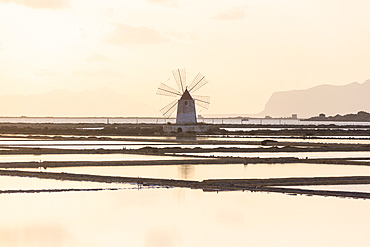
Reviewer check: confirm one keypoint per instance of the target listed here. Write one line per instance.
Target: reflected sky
(181, 217)
(350, 154)
(74, 142)
(337, 139)
(347, 187)
(291, 128)
(81, 157)
(25, 183)
(144, 140)
(120, 146)
(201, 172)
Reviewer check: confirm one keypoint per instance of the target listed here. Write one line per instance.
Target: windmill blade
(163, 89)
(202, 101)
(169, 109)
(198, 82)
(180, 77)
(202, 104)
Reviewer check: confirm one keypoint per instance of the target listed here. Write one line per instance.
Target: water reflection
(81, 157)
(110, 144)
(352, 188)
(136, 146)
(26, 183)
(349, 154)
(326, 139)
(33, 142)
(179, 217)
(186, 171)
(186, 138)
(201, 172)
(157, 218)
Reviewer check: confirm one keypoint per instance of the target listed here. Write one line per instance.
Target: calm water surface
(74, 142)
(356, 187)
(140, 140)
(302, 155)
(81, 157)
(181, 217)
(343, 139)
(201, 172)
(24, 183)
(133, 120)
(103, 145)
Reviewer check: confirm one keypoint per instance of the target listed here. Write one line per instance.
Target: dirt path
(254, 185)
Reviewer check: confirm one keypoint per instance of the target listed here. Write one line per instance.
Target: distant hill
(360, 116)
(327, 99)
(64, 103)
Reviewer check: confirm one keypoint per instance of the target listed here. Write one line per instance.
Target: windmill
(185, 102)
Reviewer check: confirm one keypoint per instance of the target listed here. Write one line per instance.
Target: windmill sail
(169, 109)
(202, 101)
(167, 90)
(180, 77)
(198, 82)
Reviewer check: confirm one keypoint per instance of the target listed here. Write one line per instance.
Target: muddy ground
(91, 129)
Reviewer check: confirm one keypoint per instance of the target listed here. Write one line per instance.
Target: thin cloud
(108, 11)
(103, 72)
(233, 14)
(98, 58)
(159, 1)
(124, 34)
(40, 4)
(165, 2)
(46, 72)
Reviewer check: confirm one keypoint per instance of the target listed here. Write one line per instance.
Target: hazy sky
(247, 49)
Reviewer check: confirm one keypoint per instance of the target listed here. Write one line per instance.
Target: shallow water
(81, 157)
(296, 128)
(134, 120)
(13, 139)
(181, 217)
(77, 144)
(142, 140)
(34, 142)
(338, 139)
(25, 183)
(202, 172)
(135, 146)
(302, 155)
(352, 188)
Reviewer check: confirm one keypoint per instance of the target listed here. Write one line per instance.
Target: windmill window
(186, 103)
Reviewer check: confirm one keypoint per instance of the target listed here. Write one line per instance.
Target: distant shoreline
(230, 121)
(360, 116)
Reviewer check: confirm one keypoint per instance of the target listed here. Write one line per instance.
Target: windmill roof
(186, 95)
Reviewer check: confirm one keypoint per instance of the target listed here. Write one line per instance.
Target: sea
(153, 120)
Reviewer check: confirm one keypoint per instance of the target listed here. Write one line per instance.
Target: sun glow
(256, 47)
(39, 31)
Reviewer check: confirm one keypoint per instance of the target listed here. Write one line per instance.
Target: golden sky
(246, 49)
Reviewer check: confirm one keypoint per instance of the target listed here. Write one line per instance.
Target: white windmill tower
(185, 102)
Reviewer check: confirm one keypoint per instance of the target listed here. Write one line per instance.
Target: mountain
(327, 99)
(64, 103)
